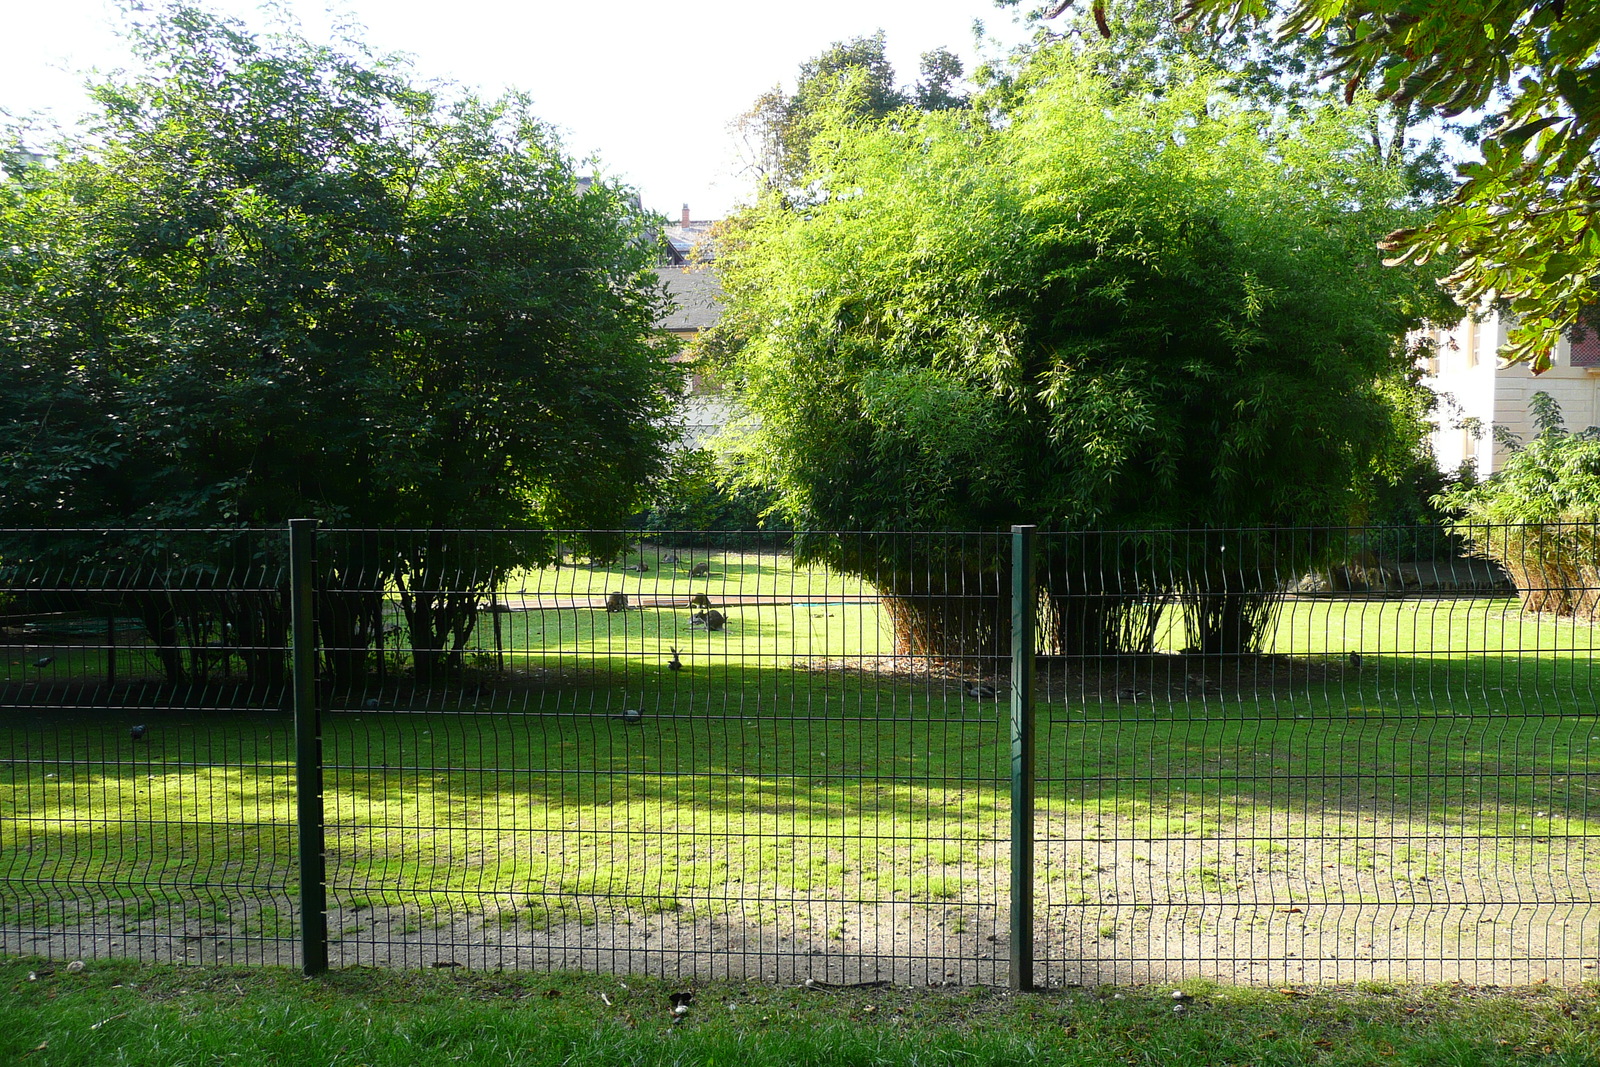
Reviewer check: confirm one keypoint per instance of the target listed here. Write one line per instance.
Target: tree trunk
(959, 618)
(348, 621)
(1229, 624)
(442, 585)
(258, 631)
(1105, 595)
(160, 620)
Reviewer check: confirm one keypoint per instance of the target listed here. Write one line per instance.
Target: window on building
(1585, 338)
(1438, 341)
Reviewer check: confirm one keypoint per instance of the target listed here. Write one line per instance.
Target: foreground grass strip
(123, 1013)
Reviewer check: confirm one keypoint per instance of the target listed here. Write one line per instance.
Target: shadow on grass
(1420, 737)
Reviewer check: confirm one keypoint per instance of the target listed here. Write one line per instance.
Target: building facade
(1480, 400)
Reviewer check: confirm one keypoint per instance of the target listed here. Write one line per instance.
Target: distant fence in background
(1288, 756)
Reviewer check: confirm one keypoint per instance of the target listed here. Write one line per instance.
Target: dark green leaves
(1519, 220)
(282, 280)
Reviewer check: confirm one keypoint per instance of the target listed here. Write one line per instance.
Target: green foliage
(936, 89)
(1538, 515)
(1403, 518)
(1555, 478)
(1150, 48)
(698, 504)
(1407, 523)
(1522, 220)
(851, 82)
(1096, 312)
(281, 279)
(1090, 311)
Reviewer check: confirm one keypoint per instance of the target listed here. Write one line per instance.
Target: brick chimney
(685, 215)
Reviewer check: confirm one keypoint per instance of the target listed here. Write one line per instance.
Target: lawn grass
(782, 767)
(550, 623)
(114, 1013)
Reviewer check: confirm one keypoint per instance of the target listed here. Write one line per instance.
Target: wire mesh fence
(1261, 756)
(1375, 767)
(146, 789)
(672, 760)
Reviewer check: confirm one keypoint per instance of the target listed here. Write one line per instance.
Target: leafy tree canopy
(850, 82)
(1149, 47)
(279, 278)
(1523, 219)
(1094, 310)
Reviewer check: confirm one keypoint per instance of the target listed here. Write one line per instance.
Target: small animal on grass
(670, 557)
(1355, 660)
(981, 690)
(700, 600)
(136, 732)
(630, 716)
(700, 570)
(711, 619)
(675, 664)
(642, 567)
(617, 601)
(44, 661)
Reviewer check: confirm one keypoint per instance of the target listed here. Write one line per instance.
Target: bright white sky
(651, 88)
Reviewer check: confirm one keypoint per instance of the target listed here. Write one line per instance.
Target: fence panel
(1389, 779)
(672, 758)
(146, 786)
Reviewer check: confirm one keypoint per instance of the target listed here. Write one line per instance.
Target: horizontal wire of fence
(1269, 756)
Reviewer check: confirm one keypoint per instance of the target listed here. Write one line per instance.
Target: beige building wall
(1476, 393)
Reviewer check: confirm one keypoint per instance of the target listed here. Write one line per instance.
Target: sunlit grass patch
(759, 782)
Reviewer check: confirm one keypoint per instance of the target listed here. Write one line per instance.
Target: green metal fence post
(308, 748)
(1024, 602)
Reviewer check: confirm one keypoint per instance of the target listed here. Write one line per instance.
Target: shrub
(698, 506)
(1537, 516)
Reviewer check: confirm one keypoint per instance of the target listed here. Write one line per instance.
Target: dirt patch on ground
(1245, 903)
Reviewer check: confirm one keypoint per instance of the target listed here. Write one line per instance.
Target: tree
(1523, 219)
(1142, 46)
(281, 279)
(1093, 312)
(936, 89)
(850, 82)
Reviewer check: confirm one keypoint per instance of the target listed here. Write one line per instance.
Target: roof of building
(689, 239)
(697, 297)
